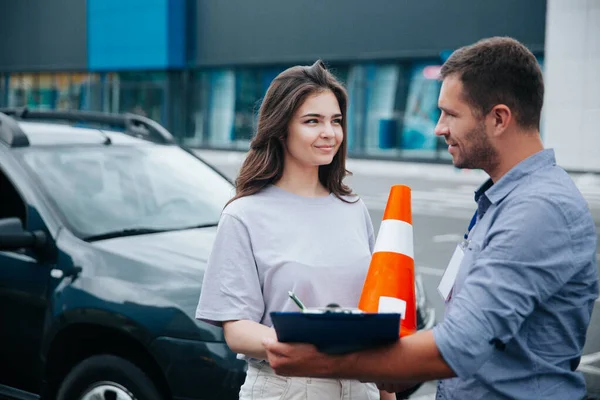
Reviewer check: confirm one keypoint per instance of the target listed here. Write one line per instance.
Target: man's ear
(498, 119)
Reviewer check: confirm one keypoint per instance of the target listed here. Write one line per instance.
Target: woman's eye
(311, 121)
(337, 121)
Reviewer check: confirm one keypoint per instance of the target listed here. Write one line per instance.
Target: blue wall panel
(135, 34)
(177, 33)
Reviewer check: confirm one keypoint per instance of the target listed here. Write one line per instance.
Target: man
(519, 307)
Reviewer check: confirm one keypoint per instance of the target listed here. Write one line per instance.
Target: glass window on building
(142, 93)
(377, 95)
(197, 136)
(248, 91)
(251, 86)
(75, 91)
(392, 107)
(61, 91)
(19, 87)
(220, 108)
(226, 104)
(43, 92)
(4, 81)
(32, 90)
(422, 113)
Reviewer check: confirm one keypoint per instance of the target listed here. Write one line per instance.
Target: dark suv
(105, 227)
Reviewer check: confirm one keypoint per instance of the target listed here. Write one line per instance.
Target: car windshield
(113, 191)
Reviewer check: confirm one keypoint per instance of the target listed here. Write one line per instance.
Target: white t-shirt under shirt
(276, 241)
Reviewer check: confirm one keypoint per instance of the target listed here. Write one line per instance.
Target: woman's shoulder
(358, 202)
(353, 200)
(240, 205)
(353, 203)
(247, 204)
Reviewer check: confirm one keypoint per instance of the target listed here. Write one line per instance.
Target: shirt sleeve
(526, 258)
(231, 288)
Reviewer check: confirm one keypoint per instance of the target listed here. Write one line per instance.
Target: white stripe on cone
(395, 236)
(392, 305)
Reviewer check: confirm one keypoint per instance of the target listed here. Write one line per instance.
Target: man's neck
(513, 150)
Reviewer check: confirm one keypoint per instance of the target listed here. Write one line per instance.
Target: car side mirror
(14, 237)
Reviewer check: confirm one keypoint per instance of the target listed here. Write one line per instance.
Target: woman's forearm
(245, 337)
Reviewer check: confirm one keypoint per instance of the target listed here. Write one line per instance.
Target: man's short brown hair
(499, 70)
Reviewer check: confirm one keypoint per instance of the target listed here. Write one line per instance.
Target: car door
(24, 280)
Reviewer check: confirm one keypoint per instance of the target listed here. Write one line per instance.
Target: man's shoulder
(551, 190)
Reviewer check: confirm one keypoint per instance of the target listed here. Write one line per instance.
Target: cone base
(387, 276)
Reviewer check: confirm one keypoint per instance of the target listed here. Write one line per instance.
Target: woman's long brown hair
(264, 162)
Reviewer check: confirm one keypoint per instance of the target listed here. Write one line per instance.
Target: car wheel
(105, 377)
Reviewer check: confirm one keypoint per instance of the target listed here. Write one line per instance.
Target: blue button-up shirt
(517, 320)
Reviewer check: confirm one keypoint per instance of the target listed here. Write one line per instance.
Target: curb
(383, 168)
(394, 168)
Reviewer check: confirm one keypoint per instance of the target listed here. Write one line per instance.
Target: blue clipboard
(337, 333)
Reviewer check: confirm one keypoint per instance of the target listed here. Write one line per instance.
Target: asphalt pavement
(443, 203)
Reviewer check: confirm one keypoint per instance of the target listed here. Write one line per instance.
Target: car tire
(99, 375)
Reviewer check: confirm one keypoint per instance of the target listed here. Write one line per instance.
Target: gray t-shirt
(276, 241)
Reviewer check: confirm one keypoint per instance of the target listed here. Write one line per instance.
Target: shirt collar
(498, 191)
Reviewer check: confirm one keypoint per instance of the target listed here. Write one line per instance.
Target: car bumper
(425, 313)
(428, 319)
(199, 370)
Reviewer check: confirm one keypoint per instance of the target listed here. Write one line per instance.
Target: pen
(296, 300)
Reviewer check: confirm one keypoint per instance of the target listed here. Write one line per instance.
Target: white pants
(263, 384)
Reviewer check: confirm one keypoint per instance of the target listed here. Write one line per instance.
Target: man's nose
(441, 129)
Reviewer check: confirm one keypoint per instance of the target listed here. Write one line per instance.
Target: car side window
(11, 203)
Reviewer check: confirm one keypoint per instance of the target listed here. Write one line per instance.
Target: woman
(292, 225)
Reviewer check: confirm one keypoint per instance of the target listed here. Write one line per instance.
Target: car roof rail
(11, 133)
(131, 124)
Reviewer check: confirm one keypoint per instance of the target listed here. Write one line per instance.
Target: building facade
(572, 76)
(201, 67)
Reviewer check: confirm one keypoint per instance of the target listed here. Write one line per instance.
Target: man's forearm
(412, 358)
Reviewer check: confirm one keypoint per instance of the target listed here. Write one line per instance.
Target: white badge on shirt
(447, 283)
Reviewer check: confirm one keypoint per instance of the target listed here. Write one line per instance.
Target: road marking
(449, 237)
(430, 271)
(590, 358)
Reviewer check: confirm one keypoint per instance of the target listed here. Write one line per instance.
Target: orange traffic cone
(390, 282)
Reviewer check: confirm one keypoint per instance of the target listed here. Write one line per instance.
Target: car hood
(160, 272)
(183, 253)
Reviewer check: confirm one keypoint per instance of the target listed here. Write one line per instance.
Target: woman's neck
(303, 181)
